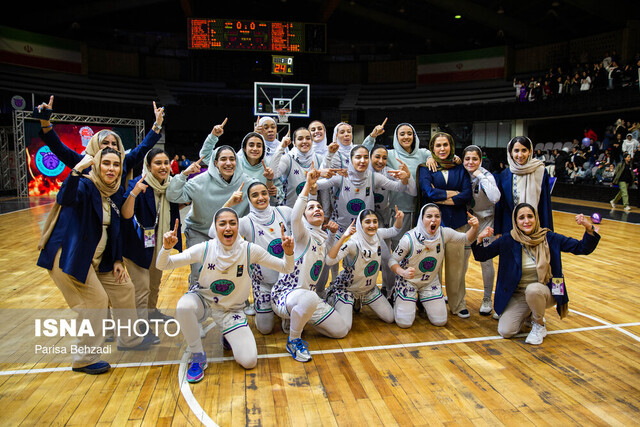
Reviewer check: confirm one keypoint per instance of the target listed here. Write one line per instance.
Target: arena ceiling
(394, 27)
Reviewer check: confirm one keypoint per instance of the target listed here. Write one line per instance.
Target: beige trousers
(455, 267)
(90, 300)
(147, 285)
(534, 300)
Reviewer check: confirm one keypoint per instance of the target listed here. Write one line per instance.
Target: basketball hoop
(283, 115)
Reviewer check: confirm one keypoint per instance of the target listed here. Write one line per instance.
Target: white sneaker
(299, 350)
(496, 316)
(537, 334)
(613, 205)
(485, 309)
(627, 208)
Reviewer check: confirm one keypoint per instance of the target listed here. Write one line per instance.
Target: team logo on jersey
(275, 248)
(355, 206)
(222, 287)
(378, 198)
(428, 264)
(300, 187)
(371, 268)
(316, 269)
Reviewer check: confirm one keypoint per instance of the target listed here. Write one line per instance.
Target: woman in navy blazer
(149, 215)
(450, 189)
(531, 185)
(81, 248)
(530, 276)
(103, 138)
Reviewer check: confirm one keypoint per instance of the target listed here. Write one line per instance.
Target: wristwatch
(156, 127)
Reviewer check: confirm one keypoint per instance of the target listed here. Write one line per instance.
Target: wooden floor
(587, 372)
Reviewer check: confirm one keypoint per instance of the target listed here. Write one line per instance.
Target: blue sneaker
(298, 349)
(196, 367)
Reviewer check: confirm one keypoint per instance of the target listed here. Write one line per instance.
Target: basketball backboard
(268, 98)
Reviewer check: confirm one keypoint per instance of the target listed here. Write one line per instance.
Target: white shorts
(323, 310)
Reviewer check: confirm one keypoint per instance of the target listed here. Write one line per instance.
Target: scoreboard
(266, 36)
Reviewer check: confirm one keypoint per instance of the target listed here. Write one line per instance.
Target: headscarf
(255, 171)
(225, 256)
(358, 178)
(261, 216)
(363, 240)
(159, 190)
(420, 232)
(344, 150)
(531, 175)
(320, 147)
(94, 145)
(106, 190)
(269, 146)
(447, 163)
(304, 159)
(375, 148)
(477, 150)
(536, 243)
(399, 149)
(315, 231)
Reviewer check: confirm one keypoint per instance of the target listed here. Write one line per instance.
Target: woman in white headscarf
(360, 250)
(417, 261)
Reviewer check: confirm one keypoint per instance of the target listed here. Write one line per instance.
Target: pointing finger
(224, 123)
(175, 229)
(201, 159)
(282, 230)
(385, 122)
(241, 186)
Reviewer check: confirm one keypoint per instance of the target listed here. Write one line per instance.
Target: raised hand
(399, 174)
(218, 130)
(473, 221)
(257, 128)
(140, 187)
(170, 238)
(585, 222)
(312, 175)
(350, 231)
(333, 147)
(193, 167)
(286, 141)
(159, 113)
(287, 241)
(399, 217)
(331, 226)
(268, 172)
(47, 106)
(487, 232)
(236, 197)
(379, 129)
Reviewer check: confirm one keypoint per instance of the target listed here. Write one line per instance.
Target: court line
(336, 350)
(192, 402)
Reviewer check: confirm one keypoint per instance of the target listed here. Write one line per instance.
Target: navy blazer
(71, 158)
(79, 228)
(510, 262)
(504, 208)
(145, 213)
(452, 216)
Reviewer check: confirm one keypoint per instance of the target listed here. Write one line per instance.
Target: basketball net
(283, 115)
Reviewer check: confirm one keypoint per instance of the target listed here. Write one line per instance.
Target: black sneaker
(157, 315)
(94, 369)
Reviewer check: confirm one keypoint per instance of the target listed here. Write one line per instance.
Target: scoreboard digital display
(266, 36)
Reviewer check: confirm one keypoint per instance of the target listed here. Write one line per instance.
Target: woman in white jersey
(222, 288)
(293, 297)
(483, 206)
(417, 261)
(262, 227)
(291, 168)
(360, 248)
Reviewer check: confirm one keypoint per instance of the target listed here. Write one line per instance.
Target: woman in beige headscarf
(151, 216)
(82, 250)
(530, 276)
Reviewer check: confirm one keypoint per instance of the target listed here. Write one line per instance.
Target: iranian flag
(482, 64)
(35, 50)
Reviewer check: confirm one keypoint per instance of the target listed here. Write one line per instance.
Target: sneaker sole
(303, 360)
(92, 371)
(485, 313)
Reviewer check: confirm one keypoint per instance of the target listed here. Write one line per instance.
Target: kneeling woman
(362, 254)
(530, 277)
(417, 262)
(293, 297)
(222, 288)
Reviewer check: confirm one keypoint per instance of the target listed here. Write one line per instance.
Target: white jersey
(360, 267)
(351, 199)
(291, 173)
(485, 195)
(267, 236)
(224, 289)
(426, 257)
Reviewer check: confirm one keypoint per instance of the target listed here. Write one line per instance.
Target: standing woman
(530, 276)
(319, 137)
(101, 139)
(262, 227)
(291, 168)
(221, 289)
(208, 192)
(524, 181)
(417, 262)
(146, 202)
(361, 251)
(293, 297)
(623, 178)
(81, 248)
(450, 189)
(483, 206)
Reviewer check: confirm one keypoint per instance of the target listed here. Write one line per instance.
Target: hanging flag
(481, 64)
(39, 51)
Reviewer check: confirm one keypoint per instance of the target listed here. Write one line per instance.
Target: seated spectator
(583, 175)
(550, 162)
(630, 145)
(571, 172)
(607, 175)
(585, 82)
(598, 174)
(540, 156)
